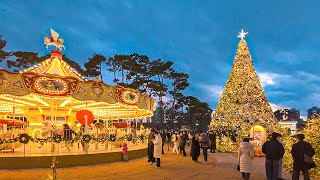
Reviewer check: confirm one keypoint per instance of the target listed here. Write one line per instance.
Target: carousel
(52, 108)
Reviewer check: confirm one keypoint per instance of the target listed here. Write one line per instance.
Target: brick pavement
(220, 166)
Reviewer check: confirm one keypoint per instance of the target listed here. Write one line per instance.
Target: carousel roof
(53, 83)
(55, 66)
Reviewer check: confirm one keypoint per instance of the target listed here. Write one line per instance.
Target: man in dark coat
(213, 140)
(151, 159)
(299, 150)
(184, 139)
(274, 151)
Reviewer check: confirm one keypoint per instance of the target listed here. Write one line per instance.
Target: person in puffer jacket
(245, 157)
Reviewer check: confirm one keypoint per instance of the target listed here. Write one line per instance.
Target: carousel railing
(67, 142)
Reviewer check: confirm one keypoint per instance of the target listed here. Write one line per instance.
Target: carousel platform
(18, 161)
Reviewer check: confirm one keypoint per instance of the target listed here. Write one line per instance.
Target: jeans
(272, 169)
(125, 157)
(280, 169)
(296, 174)
(183, 150)
(150, 154)
(245, 176)
(205, 153)
(212, 147)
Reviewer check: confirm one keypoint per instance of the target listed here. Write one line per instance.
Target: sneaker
(150, 163)
(204, 162)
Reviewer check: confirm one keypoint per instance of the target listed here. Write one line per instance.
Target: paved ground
(221, 166)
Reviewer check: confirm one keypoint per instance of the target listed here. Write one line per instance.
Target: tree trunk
(101, 72)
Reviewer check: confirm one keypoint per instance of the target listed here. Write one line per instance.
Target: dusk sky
(199, 36)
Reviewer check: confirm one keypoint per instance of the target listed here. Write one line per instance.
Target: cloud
(214, 91)
(306, 76)
(277, 106)
(268, 78)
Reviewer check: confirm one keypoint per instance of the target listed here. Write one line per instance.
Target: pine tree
(243, 100)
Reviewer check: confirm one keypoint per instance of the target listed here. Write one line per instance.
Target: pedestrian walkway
(221, 166)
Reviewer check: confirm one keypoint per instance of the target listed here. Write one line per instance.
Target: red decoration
(81, 117)
(120, 124)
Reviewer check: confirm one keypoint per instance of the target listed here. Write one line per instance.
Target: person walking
(274, 151)
(151, 147)
(125, 152)
(245, 156)
(157, 148)
(195, 148)
(204, 144)
(175, 141)
(184, 139)
(213, 141)
(298, 152)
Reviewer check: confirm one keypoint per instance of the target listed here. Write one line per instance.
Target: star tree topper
(242, 34)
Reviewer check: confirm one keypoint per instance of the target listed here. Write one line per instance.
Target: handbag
(308, 160)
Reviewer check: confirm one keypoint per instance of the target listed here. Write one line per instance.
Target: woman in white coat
(157, 149)
(175, 141)
(245, 156)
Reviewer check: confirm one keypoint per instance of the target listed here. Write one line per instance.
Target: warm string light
(243, 99)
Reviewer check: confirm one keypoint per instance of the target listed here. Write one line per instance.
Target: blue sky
(199, 36)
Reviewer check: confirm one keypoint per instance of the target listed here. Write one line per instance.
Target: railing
(66, 142)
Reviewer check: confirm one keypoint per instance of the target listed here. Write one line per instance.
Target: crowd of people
(302, 152)
(273, 149)
(178, 142)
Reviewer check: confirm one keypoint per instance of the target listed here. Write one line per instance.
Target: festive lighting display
(312, 135)
(243, 102)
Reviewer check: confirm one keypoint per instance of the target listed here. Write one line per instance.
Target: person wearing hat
(274, 151)
(298, 152)
(151, 159)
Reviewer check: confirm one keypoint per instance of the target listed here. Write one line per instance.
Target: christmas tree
(243, 101)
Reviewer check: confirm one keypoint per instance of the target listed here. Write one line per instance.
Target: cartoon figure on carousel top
(53, 40)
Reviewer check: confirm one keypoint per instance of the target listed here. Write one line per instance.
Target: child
(125, 152)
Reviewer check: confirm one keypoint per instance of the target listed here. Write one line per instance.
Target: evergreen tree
(94, 65)
(3, 54)
(243, 101)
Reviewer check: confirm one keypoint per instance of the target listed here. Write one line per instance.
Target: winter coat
(273, 149)
(175, 139)
(157, 146)
(298, 151)
(150, 139)
(195, 148)
(184, 139)
(125, 149)
(245, 156)
(204, 141)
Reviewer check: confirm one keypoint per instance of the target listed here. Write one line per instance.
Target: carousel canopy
(53, 84)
